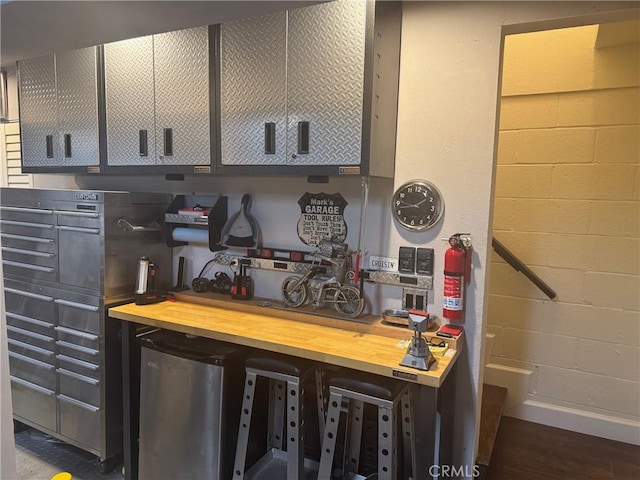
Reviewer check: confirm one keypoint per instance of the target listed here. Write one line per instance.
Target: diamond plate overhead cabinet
(157, 96)
(311, 91)
(59, 112)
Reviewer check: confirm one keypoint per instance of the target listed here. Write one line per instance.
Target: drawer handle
(26, 238)
(72, 213)
(81, 306)
(37, 268)
(29, 294)
(26, 346)
(76, 333)
(30, 385)
(27, 210)
(27, 333)
(30, 253)
(37, 363)
(91, 231)
(78, 403)
(80, 363)
(77, 376)
(33, 321)
(44, 226)
(77, 348)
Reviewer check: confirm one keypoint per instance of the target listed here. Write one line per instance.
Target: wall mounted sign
(384, 264)
(321, 216)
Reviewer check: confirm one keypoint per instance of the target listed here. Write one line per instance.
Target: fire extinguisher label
(453, 293)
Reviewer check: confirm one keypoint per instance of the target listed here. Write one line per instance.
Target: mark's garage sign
(322, 216)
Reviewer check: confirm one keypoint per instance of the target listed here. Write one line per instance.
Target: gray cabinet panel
(37, 84)
(181, 71)
(130, 102)
(59, 111)
(325, 80)
(253, 71)
(77, 84)
(157, 100)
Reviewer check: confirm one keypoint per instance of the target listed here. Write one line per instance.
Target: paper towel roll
(191, 235)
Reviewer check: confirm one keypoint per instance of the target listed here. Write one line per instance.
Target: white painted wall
(449, 88)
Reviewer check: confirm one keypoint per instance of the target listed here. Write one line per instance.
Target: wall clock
(417, 205)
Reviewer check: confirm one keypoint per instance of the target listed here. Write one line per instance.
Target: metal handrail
(518, 266)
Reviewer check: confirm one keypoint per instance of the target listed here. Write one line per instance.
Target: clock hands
(413, 205)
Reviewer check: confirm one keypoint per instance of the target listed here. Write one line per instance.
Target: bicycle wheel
(348, 301)
(294, 292)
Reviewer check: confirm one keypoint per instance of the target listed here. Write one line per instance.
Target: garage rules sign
(321, 216)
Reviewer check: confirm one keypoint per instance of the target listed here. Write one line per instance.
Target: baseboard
(581, 421)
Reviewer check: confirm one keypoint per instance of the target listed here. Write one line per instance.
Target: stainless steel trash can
(189, 408)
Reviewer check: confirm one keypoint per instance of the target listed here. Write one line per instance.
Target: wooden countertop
(347, 345)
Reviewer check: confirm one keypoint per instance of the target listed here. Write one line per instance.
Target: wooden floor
(529, 451)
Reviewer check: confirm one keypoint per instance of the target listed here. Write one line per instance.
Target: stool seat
(372, 385)
(295, 367)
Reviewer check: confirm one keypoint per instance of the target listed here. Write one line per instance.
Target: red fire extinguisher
(457, 274)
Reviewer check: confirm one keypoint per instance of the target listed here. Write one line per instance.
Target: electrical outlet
(414, 299)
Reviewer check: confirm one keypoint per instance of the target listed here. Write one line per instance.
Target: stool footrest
(273, 464)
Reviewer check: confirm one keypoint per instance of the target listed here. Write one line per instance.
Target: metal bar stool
(387, 395)
(286, 375)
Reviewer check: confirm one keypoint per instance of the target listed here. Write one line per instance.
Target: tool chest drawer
(72, 364)
(33, 402)
(76, 351)
(25, 336)
(29, 304)
(79, 387)
(78, 337)
(33, 371)
(30, 324)
(80, 421)
(80, 316)
(35, 353)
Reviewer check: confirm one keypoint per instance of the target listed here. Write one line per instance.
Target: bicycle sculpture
(326, 285)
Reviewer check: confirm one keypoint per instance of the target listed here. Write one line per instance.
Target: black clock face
(417, 205)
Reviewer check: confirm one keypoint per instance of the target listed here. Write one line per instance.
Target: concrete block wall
(567, 204)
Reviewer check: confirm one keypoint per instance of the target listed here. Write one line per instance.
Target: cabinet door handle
(303, 138)
(269, 138)
(67, 145)
(144, 145)
(168, 141)
(49, 144)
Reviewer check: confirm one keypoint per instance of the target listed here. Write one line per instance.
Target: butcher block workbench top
(364, 347)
